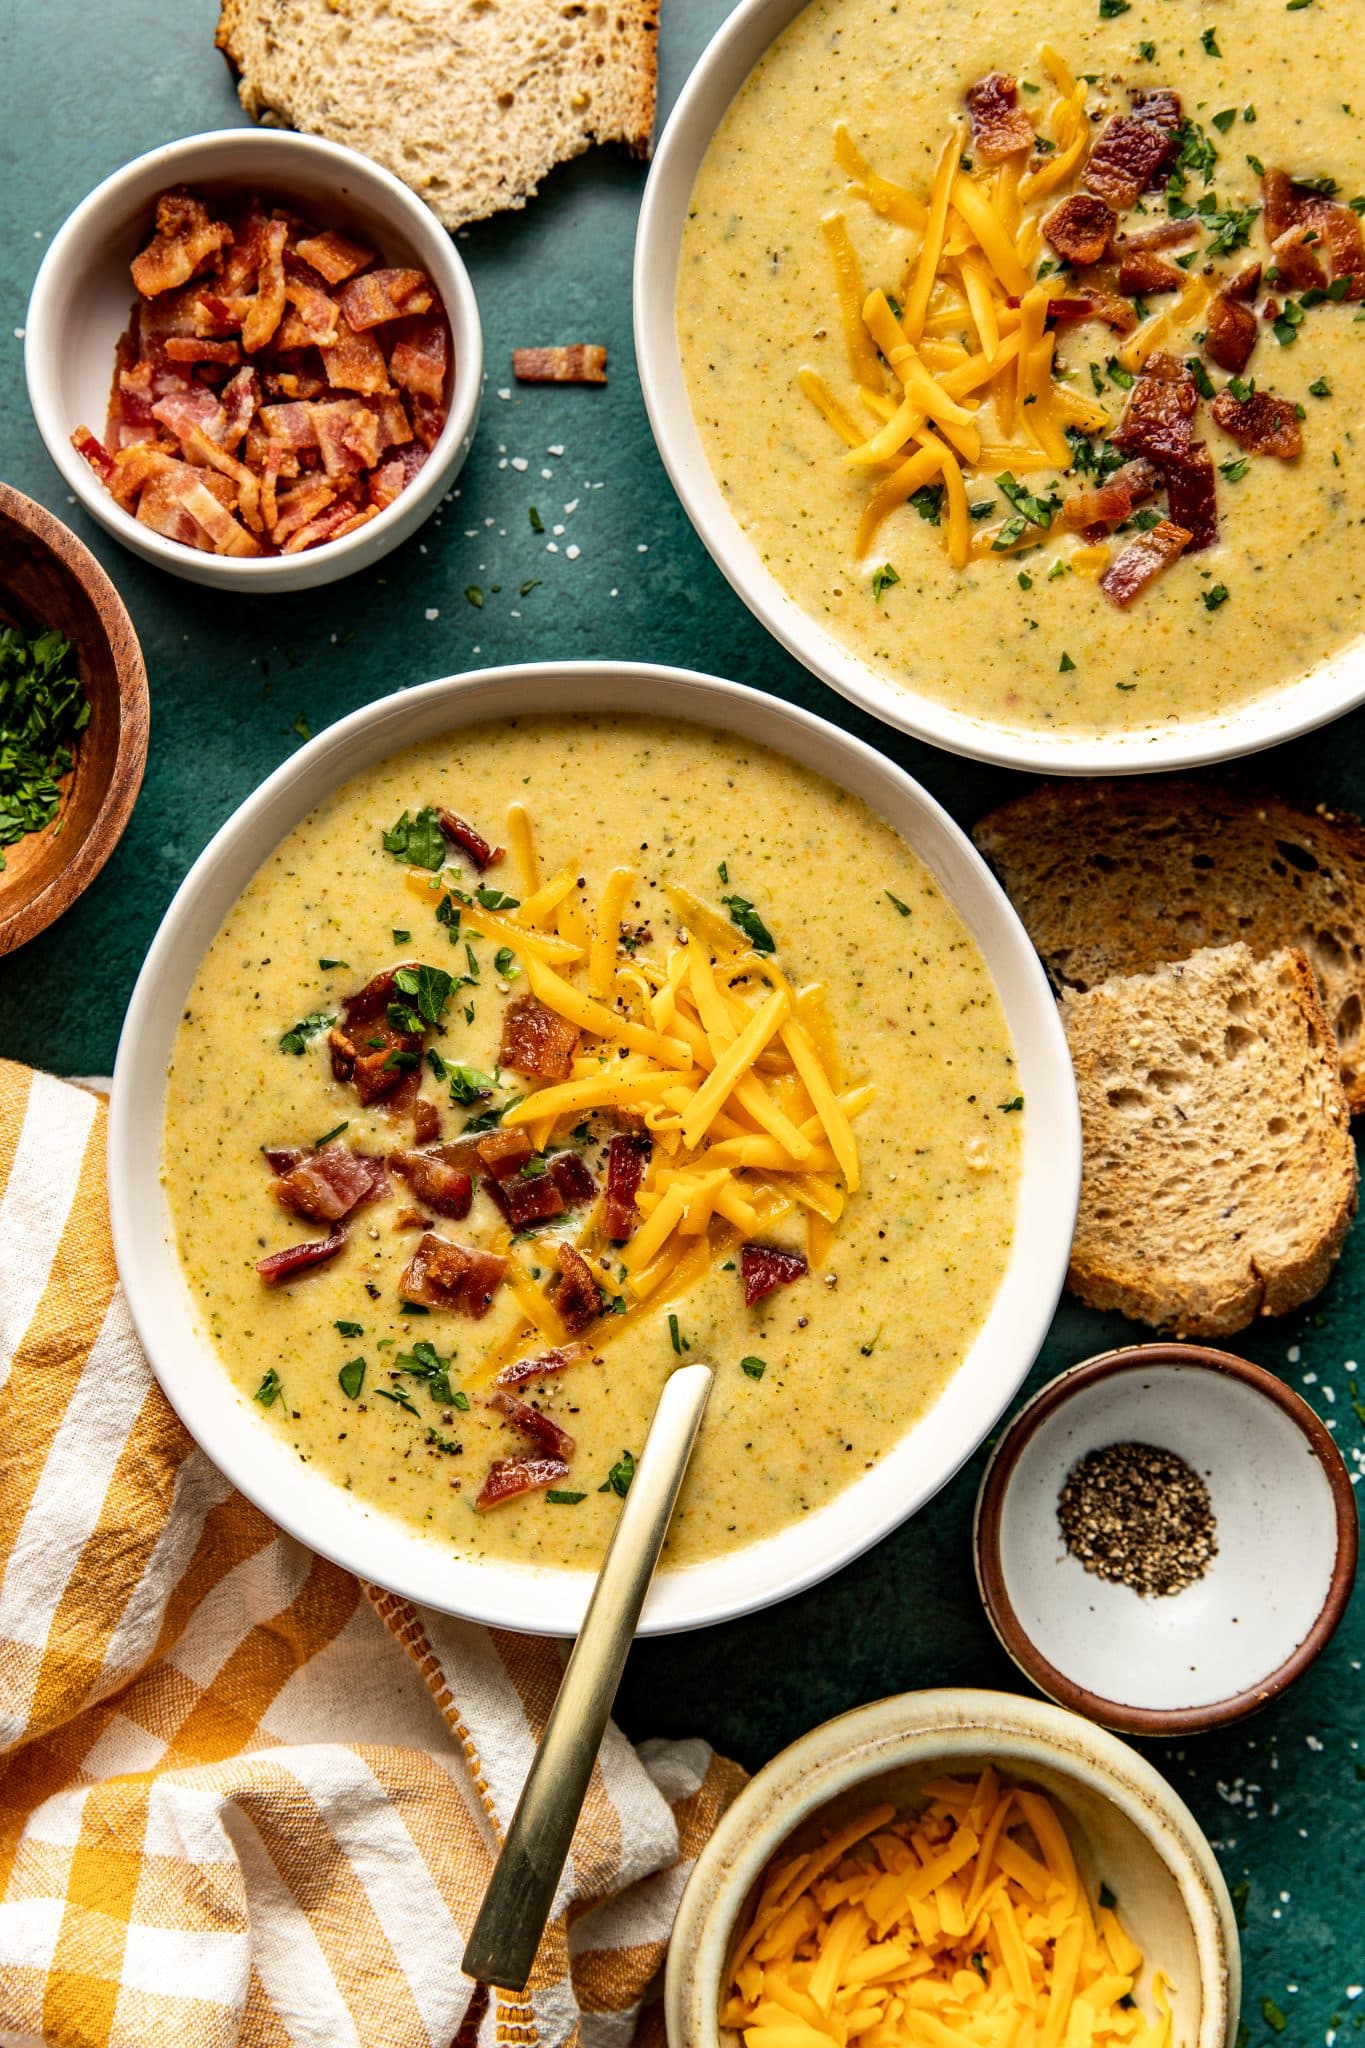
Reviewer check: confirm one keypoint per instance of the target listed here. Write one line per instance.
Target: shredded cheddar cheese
(964, 1926)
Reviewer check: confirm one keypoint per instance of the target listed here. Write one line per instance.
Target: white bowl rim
(866, 1741)
(1328, 692)
(355, 550)
(547, 1600)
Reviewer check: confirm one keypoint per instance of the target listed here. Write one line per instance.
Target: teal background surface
(236, 683)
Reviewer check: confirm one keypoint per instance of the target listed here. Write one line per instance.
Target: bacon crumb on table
(274, 391)
(583, 362)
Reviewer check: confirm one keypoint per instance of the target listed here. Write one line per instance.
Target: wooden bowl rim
(90, 853)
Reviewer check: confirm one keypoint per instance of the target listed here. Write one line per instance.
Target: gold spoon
(502, 1948)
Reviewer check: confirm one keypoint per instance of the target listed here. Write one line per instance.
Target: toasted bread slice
(1219, 1177)
(471, 102)
(1121, 877)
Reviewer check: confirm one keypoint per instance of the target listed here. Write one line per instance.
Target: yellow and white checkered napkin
(243, 1798)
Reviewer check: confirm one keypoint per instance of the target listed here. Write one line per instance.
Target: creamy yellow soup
(813, 1384)
(1026, 640)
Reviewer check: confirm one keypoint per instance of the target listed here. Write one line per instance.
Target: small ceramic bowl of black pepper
(1165, 1538)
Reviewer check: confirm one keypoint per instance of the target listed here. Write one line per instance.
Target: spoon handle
(516, 1906)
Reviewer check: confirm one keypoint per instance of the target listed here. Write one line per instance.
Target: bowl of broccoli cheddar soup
(1008, 362)
(512, 1045)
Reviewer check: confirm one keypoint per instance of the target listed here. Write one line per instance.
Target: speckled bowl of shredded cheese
(955, 1867)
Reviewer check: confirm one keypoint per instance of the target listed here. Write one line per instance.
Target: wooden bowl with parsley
(73, 718)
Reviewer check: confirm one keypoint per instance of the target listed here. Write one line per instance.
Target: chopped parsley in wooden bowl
(73, 718)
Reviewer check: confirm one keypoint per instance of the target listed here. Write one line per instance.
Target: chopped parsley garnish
(746, 919)
(328, 965)
(350, 1329)
(474, 596)
(494, 899)
(1320, 388)
(1217, 596)
(351, 1378)
(424, 1362)
(296, 1039)
(417, 840)
(430, 988)
(755, 1367)
(883, 578)
(896, 904)
(1147, 52)
(1270, 2012)
(399, 1400)
(531, 583)
(1203, 382)
(537, 523)
(328, 1136)
(1010, 534)
(928, 502)
(1222, 122)
(489, 1119)
(1111, 9)
(1118, 375)
(1241, 389)
(444, 1443)
(43, 706)
(618, 1479)
(1289, 322)
(1016, 1102)
(559, 1498)
(534, 1168)
(401, 935)
(270, 1389)
(1235, 470)
(1210, 41)
(1065, 665)
(1036, 511)
(467, 1084)
(1025, 582)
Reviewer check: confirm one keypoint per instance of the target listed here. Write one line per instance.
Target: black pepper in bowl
(1138, 1516)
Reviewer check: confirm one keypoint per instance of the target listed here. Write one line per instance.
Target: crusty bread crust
(471, 102)
(1121, 877)
(1219, 1178)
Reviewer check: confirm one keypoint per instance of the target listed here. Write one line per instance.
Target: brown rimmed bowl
(48, 578)
(1268, 1601)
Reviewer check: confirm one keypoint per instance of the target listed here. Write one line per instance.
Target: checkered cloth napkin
(245, 1799)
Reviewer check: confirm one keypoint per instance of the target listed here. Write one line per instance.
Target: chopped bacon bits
(526, 1198)
(1142, 272)
(468, 840)
(764, 1267)
(1335, 231)
(508, 1478)
(1159, 419)
(1112, 501)
(454, 1277)
(573, 1180)
(542, 1365)
(1265, 424)
(583, 362)
(1129, 152)
(1142, 561)
(504, 1152)
(370, 1052)
(1296, 265)
(300, 1258)
(627, 1158)
(1158, 104)
(426, 1121)
(1232, 334)
(432, 1178)
(1166, 234)
(325, 1186)
(537, 1041)
(1000, 127)
(545, 1434)
(576, 1298)
(1080, 229)
(1192, 498)
(1244, 287)
(343, 362)
(1107, 306)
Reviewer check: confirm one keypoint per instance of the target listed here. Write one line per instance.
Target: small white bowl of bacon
(255, 358)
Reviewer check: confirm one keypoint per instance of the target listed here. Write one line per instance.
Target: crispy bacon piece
(508, 1478)
(334, 257)
(355, 362)
(537, 1041)
(1093, 305)
(1000, 127)
(317, 310)
(1167, 234)
(542, 1364)
(1157, 103)
(185, 242)
(1288, 206)
(573, 1180)
(1296, 264)
(504, 1152)
(366, 1049)
(426, 1121)
(581, 362)
(443, 1187)
(1142, 561)
(347, 434)
(1111, 502)
(428, 421)
(1244, 287)
(96, 454)
(299, 1258)
(457, 1278)
(1192, 498)
(1158, 421)
(325, 1186)
(544, 1433)
(576, 1298)
(193, 348)
(764, 1267)
(421, 357)
(1080, 229)
(393, 477)
(1142, 271)
(1264, 423)
(462, 834)
(181, 412)
(265, 312)
(1127, 156)
(381, 295)
(526, 1198)
(1231, 334)
(627, 1159)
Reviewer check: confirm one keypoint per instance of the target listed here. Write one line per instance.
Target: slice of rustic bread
(1120, 877)
(1219, 1177)
(470, 101)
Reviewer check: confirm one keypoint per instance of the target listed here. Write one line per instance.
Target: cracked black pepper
(1138, 1516)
